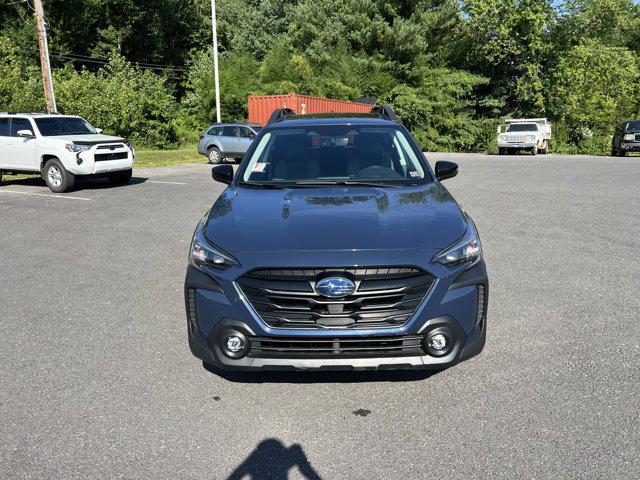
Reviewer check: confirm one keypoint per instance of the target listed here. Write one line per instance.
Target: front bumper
(95, 161)
(630, 146)
(518, 145)
(215, 306)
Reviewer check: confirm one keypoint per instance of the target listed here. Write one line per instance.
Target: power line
(103, 62)
(142, 64)
(171, 74)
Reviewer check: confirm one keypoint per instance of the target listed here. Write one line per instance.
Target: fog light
(235, 344)
(438, 342)
(79, 161)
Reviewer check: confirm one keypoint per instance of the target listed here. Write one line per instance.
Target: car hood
(351, 218)
(86, 139)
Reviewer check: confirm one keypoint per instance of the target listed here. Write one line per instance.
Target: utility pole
(45, 65)
(215, 58)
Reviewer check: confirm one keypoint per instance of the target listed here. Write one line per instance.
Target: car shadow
(81, 184)
(271, 459)
(327, 376)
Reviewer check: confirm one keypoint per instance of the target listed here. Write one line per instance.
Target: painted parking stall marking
(67, 197)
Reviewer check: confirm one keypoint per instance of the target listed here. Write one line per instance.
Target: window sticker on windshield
(259, 167)
(415, 174)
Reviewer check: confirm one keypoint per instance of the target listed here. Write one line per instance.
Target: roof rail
(280, 114)
(29, 113)
(386, 112)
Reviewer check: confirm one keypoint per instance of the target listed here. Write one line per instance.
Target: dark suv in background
(626, 139)
(335, 246)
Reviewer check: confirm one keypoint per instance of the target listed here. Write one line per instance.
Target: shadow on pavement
(272, 460)
(339, 376)
(81, 183)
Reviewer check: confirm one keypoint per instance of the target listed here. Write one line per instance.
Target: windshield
(334, 154)
(522, 127)
(634, 126)
(51, 126)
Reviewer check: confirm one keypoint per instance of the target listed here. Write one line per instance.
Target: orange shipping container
(261, 107)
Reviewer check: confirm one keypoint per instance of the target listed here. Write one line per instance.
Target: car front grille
(111, 146)
(637, 137)
(384, 297)
(516, 138)
(104, 157)
(397, 346)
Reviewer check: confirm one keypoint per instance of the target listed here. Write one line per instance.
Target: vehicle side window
(229, 131)
(215, 131)
(4, 127)
(18, 124)
(246, 133)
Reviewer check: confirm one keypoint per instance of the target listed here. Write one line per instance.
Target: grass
(162, 158)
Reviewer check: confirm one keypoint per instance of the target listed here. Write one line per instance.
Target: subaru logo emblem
(335, 287)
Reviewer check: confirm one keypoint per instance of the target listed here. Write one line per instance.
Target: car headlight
(129, 144)
(203, 253)
(467, 249)
(72, 147)
(502, 138)
(628, 137)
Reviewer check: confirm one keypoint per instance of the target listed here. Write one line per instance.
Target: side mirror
(222, 173)
(26, 134)
(445, 170)
(499, 129)
(618, 129)
(99, 130)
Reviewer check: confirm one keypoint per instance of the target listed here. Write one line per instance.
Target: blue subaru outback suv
(335, 246)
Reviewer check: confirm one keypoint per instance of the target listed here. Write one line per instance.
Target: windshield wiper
(263, 185)
(348, 183)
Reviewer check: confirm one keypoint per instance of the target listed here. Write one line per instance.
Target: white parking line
(46, 195)
(170, 183)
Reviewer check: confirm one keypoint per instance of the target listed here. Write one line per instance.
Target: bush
(595, 88)
(123, 101)
(20, 81)
(439, 112)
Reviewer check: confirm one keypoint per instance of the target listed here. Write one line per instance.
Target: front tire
(534, 151)
(57, 178)
(120, 178)
(214, 156)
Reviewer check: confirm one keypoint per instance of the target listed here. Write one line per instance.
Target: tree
(594, 88)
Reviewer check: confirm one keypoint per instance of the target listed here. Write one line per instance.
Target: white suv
(61, 148)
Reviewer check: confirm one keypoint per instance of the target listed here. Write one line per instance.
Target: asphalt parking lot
(97, 381)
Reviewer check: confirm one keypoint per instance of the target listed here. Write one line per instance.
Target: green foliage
(20, 81)
(118, 98)
(238, 78)
(121, 100)
(593, 89)
(440, 110)
(452, 69)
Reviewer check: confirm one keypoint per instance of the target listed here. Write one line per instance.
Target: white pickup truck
(61, 148)
(533, 134)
